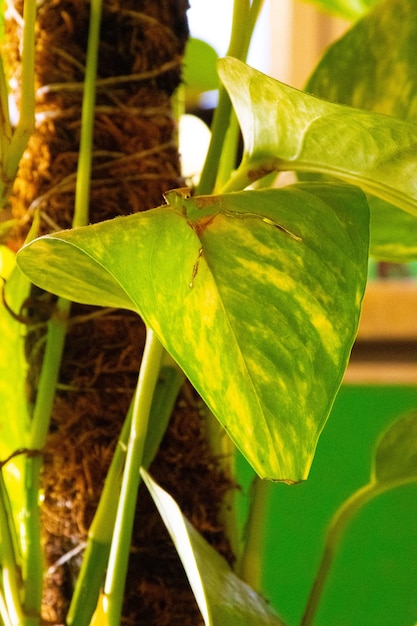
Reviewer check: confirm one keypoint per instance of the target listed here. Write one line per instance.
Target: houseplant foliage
(253, 294)
(190, 285)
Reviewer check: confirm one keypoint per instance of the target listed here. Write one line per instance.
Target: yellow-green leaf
(286, 129)
(255, 294)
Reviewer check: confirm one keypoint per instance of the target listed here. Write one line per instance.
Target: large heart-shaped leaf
(255, 294)
(382, 49)
(286, 129)
(223, 599)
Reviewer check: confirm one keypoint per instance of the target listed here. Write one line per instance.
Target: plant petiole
(249, 566)
(340, 520)
(112, 598)
(243, 23)
(26, 123)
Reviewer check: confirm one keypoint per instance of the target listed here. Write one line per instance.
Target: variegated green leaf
(223, 599)
(286, 129)
(373, 67)
(255, 294)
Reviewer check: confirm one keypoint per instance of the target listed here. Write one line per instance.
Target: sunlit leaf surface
(255, 294)
(223, 599)
(373, 67)
(286, 129)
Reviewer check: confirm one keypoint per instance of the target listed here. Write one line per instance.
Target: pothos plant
(253, 290)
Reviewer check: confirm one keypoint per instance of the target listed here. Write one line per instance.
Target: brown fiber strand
(135, 161)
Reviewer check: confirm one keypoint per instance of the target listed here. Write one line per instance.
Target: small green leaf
(396, 453)
(382, 47)
(255, 294)
(223, 599)
(200, 72)
(286, 129)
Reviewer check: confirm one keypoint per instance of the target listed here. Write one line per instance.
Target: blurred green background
(374, 578)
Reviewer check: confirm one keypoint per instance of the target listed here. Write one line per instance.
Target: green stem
(218, 133)
(11, 604)
(82, 193)
(32, 563)
(229, 153)
(91, 577)
(57, 328)
(337, 526)
(119, 552)
(55, 340)
(255, 10)
(26, 122)
(31, 545)
(223, 449)
(249, 172)
(243, 23)
(250, 564)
